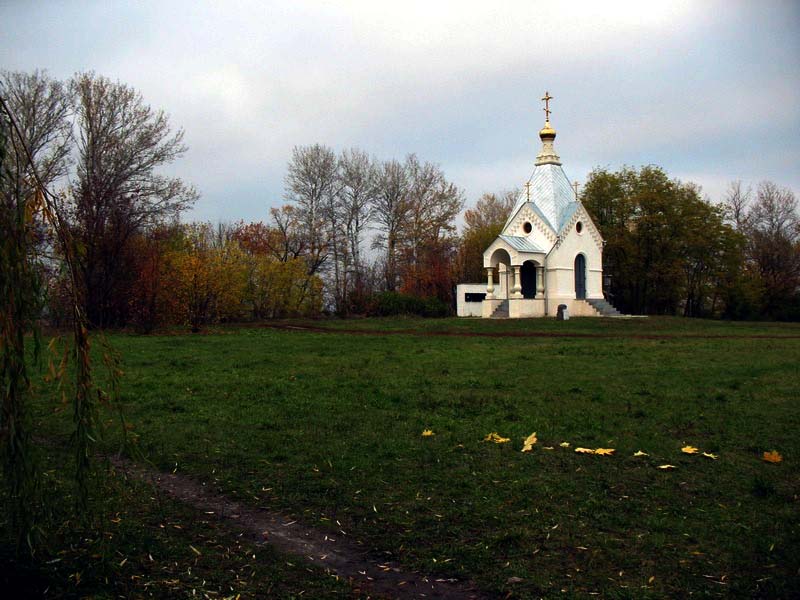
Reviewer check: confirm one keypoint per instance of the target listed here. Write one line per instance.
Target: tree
(667, 249)
(433, 204)
(208, 280)
(311, 184)
(20, 303)
(391, 212)
(771, 225)
(116, 193)
(482, 224)
(491, 212)
(41, 109)
(358, 191)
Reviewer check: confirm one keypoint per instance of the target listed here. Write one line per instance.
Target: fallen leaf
(512, 580)
(640, 453)
(195, 550)
(547, 448)
(496, 438)
(564, 444)
(710, 455)
(689, 450)
(773, 457)
(604, 451)
(584, 450)
(666, 467)
(529, 442)
(427, 433)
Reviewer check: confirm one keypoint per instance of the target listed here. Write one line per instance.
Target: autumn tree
(116, 192)
(433, 204)
(482, 224)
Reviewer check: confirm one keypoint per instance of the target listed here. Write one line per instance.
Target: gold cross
(547, 111)
(575, 185)
(528, 189)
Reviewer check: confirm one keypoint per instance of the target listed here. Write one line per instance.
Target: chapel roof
(551, 196)
(521, 243)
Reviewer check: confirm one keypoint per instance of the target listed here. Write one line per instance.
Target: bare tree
(120, 142)
(491, 211)
(288, 241)
(433, 205)
(774, 244)
(310, 183)
(41, 109)
(358, 190)
(771, 225)
(391, 212)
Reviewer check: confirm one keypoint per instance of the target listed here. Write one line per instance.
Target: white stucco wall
(540, 234)
(560, 269)
(469, 309)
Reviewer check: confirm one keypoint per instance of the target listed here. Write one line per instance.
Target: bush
(389, 304)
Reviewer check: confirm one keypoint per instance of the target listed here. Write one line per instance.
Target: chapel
(549, 253)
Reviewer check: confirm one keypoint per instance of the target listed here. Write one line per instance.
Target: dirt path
(337, 553)
(525, 334)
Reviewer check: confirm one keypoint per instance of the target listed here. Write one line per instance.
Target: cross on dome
(547, 97)
(547, 134)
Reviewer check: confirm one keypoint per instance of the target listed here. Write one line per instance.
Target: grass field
(327, 426)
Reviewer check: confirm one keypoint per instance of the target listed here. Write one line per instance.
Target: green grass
(327, 427)
(137, 543)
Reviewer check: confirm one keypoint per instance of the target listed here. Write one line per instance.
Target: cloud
(684, 84)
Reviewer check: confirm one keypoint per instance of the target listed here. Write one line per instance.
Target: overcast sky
(710, 91)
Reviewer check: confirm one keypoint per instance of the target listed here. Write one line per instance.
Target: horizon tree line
(361, 226)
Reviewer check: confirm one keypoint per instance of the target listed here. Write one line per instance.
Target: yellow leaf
(529, 442)
(604, 451)
(689, 450)
(427, 433)
(584, 450)
(195, 550)
(497, 439)
(773, 457)
(564, 444)
(547, 448)
(652, 579)
(666, 467)
(710, 455)
(640, 453)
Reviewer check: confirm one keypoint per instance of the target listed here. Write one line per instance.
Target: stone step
(604, 307)
(501, 312)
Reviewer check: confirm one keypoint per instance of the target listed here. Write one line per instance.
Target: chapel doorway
(580, 277)
(528, 277)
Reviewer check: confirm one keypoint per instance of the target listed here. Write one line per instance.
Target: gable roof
(551, 196)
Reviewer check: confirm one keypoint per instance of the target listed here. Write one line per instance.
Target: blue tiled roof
(520, 243)
(551, 196)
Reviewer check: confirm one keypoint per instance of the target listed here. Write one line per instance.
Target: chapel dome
(547, 132)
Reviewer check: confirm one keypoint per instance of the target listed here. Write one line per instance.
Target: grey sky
(708, 90)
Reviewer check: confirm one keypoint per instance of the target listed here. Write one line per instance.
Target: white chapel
(548, 254)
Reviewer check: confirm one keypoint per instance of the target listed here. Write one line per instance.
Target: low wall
(465, 291)
(521, 308)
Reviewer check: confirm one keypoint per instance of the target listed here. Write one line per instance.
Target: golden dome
(547, 132)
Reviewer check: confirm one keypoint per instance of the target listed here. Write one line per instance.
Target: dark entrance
(528, 276)
(580, 277)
